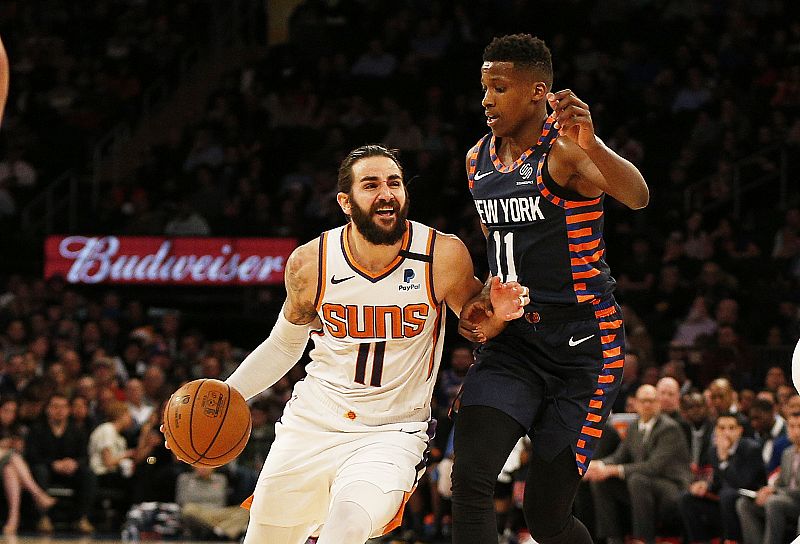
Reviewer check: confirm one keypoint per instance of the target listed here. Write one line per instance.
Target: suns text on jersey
(378, 322)
(509, 210)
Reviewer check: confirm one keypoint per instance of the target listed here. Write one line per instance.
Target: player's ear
(344, 202)
(539, 91)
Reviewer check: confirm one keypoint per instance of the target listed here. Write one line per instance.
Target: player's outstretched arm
(276, 355)
(595, 164)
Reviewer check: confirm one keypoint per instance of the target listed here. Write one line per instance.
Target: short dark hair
(345, 179)
(523, 50)
(762, 404)
(740, 419)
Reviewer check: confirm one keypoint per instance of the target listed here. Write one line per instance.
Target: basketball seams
(221, 423)
(172, 435)
(245, 436)
(191, 418)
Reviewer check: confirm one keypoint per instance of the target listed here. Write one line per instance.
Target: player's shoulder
(304, 258)
(449, 247)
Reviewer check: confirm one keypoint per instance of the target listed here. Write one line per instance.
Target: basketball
(206, 423)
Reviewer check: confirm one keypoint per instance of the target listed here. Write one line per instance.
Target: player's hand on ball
(161, 428)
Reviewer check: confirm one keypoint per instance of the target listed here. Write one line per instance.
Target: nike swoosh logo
(573, 343)
(335, 280)
(478, 175)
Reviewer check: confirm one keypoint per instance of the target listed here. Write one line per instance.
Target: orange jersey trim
(581, 217)
(322, 270)
(406, 243)
(581, 203)
(398, 517)
(429, 268)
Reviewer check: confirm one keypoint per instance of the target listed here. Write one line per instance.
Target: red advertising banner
(167, 261)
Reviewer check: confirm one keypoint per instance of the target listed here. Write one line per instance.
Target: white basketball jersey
(377, 355)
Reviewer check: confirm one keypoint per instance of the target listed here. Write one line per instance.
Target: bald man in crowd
(669, 399)
(644, 477)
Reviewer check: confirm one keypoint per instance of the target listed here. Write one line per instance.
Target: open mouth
(386, 212)
(491, 119)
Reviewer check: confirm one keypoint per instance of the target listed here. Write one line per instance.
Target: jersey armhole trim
(473, 160)
(429, 268)
(321, 270)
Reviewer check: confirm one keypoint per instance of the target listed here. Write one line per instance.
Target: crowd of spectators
(710, 291)
(78, 69)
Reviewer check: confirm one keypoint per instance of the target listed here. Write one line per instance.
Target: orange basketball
(206, 423)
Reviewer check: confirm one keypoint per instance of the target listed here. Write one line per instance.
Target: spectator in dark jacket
(709, 508)
(644, 476)
(775, 508)
(770, 431)
(57, 453)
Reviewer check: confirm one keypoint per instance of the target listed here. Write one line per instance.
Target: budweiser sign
(167, 261)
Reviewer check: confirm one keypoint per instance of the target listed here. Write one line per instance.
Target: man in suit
(701, 427)
(641, 482)
(709, 508)
(669, 398)
(765, 519)
(770, 431)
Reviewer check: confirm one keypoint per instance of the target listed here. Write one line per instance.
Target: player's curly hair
(523, 50)
(345, 179)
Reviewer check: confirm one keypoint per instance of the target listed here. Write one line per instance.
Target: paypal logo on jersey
(408, 275)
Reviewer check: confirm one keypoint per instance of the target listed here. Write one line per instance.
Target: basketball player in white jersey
(372, 294)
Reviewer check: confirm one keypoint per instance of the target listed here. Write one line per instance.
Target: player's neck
(517, 143)
(374, 258)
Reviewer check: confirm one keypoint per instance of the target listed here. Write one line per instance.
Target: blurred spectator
(187, 222)
(261, 438)
(772, 516)
(16, 172)
(58, 455)
(202, 495)
(709, 507)
(697, 324)
(701, 427)
(138, 407)
(770, 431)
(630, 381)
(156, 469)
(775, 378)
(669, 402)
(82, 416)
(450, 378)
(722, 397)
(16, 477)
(375, 62)
(644, 476)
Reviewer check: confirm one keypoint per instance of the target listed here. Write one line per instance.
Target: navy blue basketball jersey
(542, 235)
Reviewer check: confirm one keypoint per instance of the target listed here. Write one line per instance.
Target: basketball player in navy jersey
(538, 180)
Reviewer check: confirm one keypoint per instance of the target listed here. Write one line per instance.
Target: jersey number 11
(506, 242)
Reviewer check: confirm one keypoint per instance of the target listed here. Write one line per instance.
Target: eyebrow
(378, 178)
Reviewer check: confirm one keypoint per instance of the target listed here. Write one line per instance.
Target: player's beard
(375, 234)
